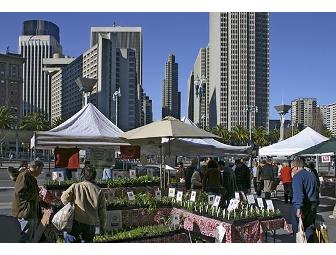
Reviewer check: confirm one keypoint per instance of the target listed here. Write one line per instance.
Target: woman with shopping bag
(89, 207)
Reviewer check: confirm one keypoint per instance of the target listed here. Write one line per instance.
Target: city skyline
(300, 60)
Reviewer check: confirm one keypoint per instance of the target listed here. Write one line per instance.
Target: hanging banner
(129, 152)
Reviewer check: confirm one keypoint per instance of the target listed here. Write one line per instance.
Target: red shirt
(286, 174)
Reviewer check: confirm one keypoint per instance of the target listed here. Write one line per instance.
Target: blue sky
(302, 48)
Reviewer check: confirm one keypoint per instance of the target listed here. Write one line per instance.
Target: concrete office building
(170, 95)
(11, 82)
(126, 38)
(328, 115)
(198, 94)
(40, 39)
(238, 69)
(304, 112)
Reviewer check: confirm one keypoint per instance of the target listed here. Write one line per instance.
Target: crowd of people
(300, 181)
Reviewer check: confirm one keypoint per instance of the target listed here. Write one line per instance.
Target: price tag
(57, 176)
(230, 207)
(217, 200)
(171, 192)
(269, 204)
(250, 199)
(179, 196)
(211, 199)
(131, 196)
(237, 196)
(236, 203)
(243, 195)
(132, 173)
(193, 196)
(158, 195)
(175, 220)
(219, 234)
(260, 202)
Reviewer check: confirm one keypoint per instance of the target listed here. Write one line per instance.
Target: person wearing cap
(26, 202)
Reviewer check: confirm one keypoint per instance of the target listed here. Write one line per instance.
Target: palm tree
(240, 135)
(222, 132)
(56, 122)
(259, 136)
(273, 136)
(34, 121)
(6, 119)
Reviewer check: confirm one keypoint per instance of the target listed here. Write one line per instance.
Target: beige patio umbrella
(169, 127)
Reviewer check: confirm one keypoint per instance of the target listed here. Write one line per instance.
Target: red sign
(67, 158)
(325, 159)
(130, 152)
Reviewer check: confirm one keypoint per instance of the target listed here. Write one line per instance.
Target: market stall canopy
(301, 141)
(169, 127)
(88, 128)
(321, 148)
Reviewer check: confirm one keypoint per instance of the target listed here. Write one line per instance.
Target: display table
(273, 225)
(250, 232)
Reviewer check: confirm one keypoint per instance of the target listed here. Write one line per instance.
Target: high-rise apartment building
(40, 39)
(238, 69)
(11, 82)
(328, 115)
(112, 68)
(126, 38)
(198, 91)
(170, 95)
(304, 112)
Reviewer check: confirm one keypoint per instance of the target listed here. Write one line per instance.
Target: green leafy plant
(136, 233)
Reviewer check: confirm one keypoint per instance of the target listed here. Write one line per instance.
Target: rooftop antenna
(114, 24)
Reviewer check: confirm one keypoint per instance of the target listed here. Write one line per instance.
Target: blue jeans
(80, 232)
(107, 174)
(28, 229)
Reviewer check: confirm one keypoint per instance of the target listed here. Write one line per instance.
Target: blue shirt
(304, 189)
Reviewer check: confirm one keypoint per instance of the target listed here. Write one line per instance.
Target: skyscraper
(111, 68)
(126, 37)
(238, 69)
(198, 91)
(170, 94)
(40, 39)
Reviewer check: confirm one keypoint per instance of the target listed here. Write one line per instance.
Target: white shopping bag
(63, 219)
(300, 235)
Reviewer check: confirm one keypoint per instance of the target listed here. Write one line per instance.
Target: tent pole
(317, 162)
(160, 146)
(334, 164)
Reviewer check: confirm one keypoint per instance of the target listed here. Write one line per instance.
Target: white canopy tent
(301, 141)
(88, 128)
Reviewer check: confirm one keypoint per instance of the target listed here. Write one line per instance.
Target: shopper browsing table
(305, 198)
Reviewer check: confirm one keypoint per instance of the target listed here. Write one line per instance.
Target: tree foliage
(35, 122)
(6, 119)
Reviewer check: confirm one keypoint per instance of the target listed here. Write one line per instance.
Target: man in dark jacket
(243, 176)
(189, 172)
(267, 176)
(305, 198)
(26, 206)
(228, 180)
